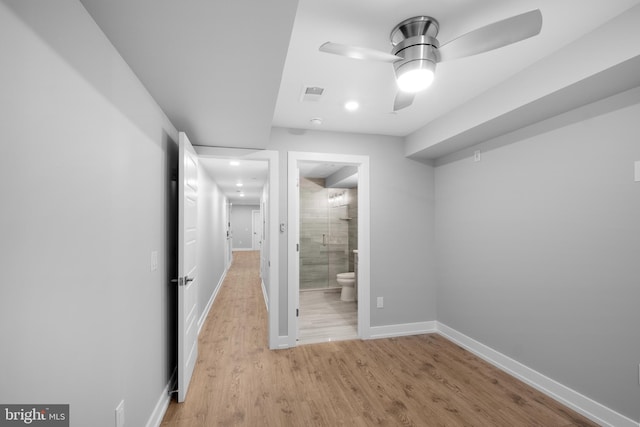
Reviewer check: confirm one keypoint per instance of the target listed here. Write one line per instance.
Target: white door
(229, 247)
(187, 274)
(257, 230)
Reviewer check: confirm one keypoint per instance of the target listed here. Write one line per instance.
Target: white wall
(85, 176)
(402, 253)
(537, 252)
(211, 241)
(241, 224)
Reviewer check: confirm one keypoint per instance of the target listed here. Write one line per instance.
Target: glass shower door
(324, 234)
(314, 234)
(338, 242)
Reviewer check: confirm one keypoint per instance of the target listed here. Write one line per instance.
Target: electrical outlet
(380, 302)
(120, 414)
(477, 156)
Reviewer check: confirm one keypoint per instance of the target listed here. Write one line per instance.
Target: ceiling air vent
(311, 94)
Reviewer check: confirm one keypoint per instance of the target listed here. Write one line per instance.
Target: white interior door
(229, 246)
(187, 279)
(257, 230)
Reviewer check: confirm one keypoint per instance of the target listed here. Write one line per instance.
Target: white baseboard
(568, 397)
(282, 342)
(205, 313)
(402, 329)
(265, 295)
(163, 402)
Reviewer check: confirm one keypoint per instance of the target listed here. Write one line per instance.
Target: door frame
(272, 231)
(293, 277)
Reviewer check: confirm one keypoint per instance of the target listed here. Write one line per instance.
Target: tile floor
(324, 317)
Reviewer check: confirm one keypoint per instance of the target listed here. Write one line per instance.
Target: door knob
(183, 281)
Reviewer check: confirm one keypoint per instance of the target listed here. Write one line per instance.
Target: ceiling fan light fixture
(416, 69)
(415, 76)
(416, 50)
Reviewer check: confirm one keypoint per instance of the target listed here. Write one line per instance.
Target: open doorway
(328, 235)
(328, 240)
(248, 164)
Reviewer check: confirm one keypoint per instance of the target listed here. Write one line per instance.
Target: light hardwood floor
(422, 380)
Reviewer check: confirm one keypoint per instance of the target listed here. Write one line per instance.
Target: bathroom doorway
(328, 232)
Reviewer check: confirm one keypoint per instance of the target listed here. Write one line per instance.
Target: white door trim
(364, 300)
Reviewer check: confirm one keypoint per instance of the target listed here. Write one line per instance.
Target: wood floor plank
(422, 380)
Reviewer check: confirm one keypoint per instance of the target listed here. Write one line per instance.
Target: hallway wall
(242, 225)
(85, 175)
(211, 240)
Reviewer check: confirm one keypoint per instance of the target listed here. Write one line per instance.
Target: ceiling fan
(416, 51)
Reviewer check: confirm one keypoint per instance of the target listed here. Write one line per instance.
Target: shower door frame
(293, 279)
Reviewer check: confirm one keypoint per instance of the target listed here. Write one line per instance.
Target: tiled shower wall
(325, 234)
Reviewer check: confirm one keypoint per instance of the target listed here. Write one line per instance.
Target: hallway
(414, 381)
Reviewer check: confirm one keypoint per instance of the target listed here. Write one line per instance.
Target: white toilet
(347, 281)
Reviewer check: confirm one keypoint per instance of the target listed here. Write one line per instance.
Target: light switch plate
(380, 302)
(637, 171)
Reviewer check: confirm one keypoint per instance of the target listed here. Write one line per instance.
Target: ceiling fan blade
(403, 100)
(493, 36)
(356, 52)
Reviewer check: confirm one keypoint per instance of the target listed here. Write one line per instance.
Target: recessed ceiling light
(351, 105)
(239, 184)
(234, 163)
(241, 194)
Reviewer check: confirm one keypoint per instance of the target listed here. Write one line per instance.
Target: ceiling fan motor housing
(414, 40)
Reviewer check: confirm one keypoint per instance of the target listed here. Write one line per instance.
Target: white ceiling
(348, 173)
(213, 66)
(252, 174)
(368, 24)
(226, 72)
